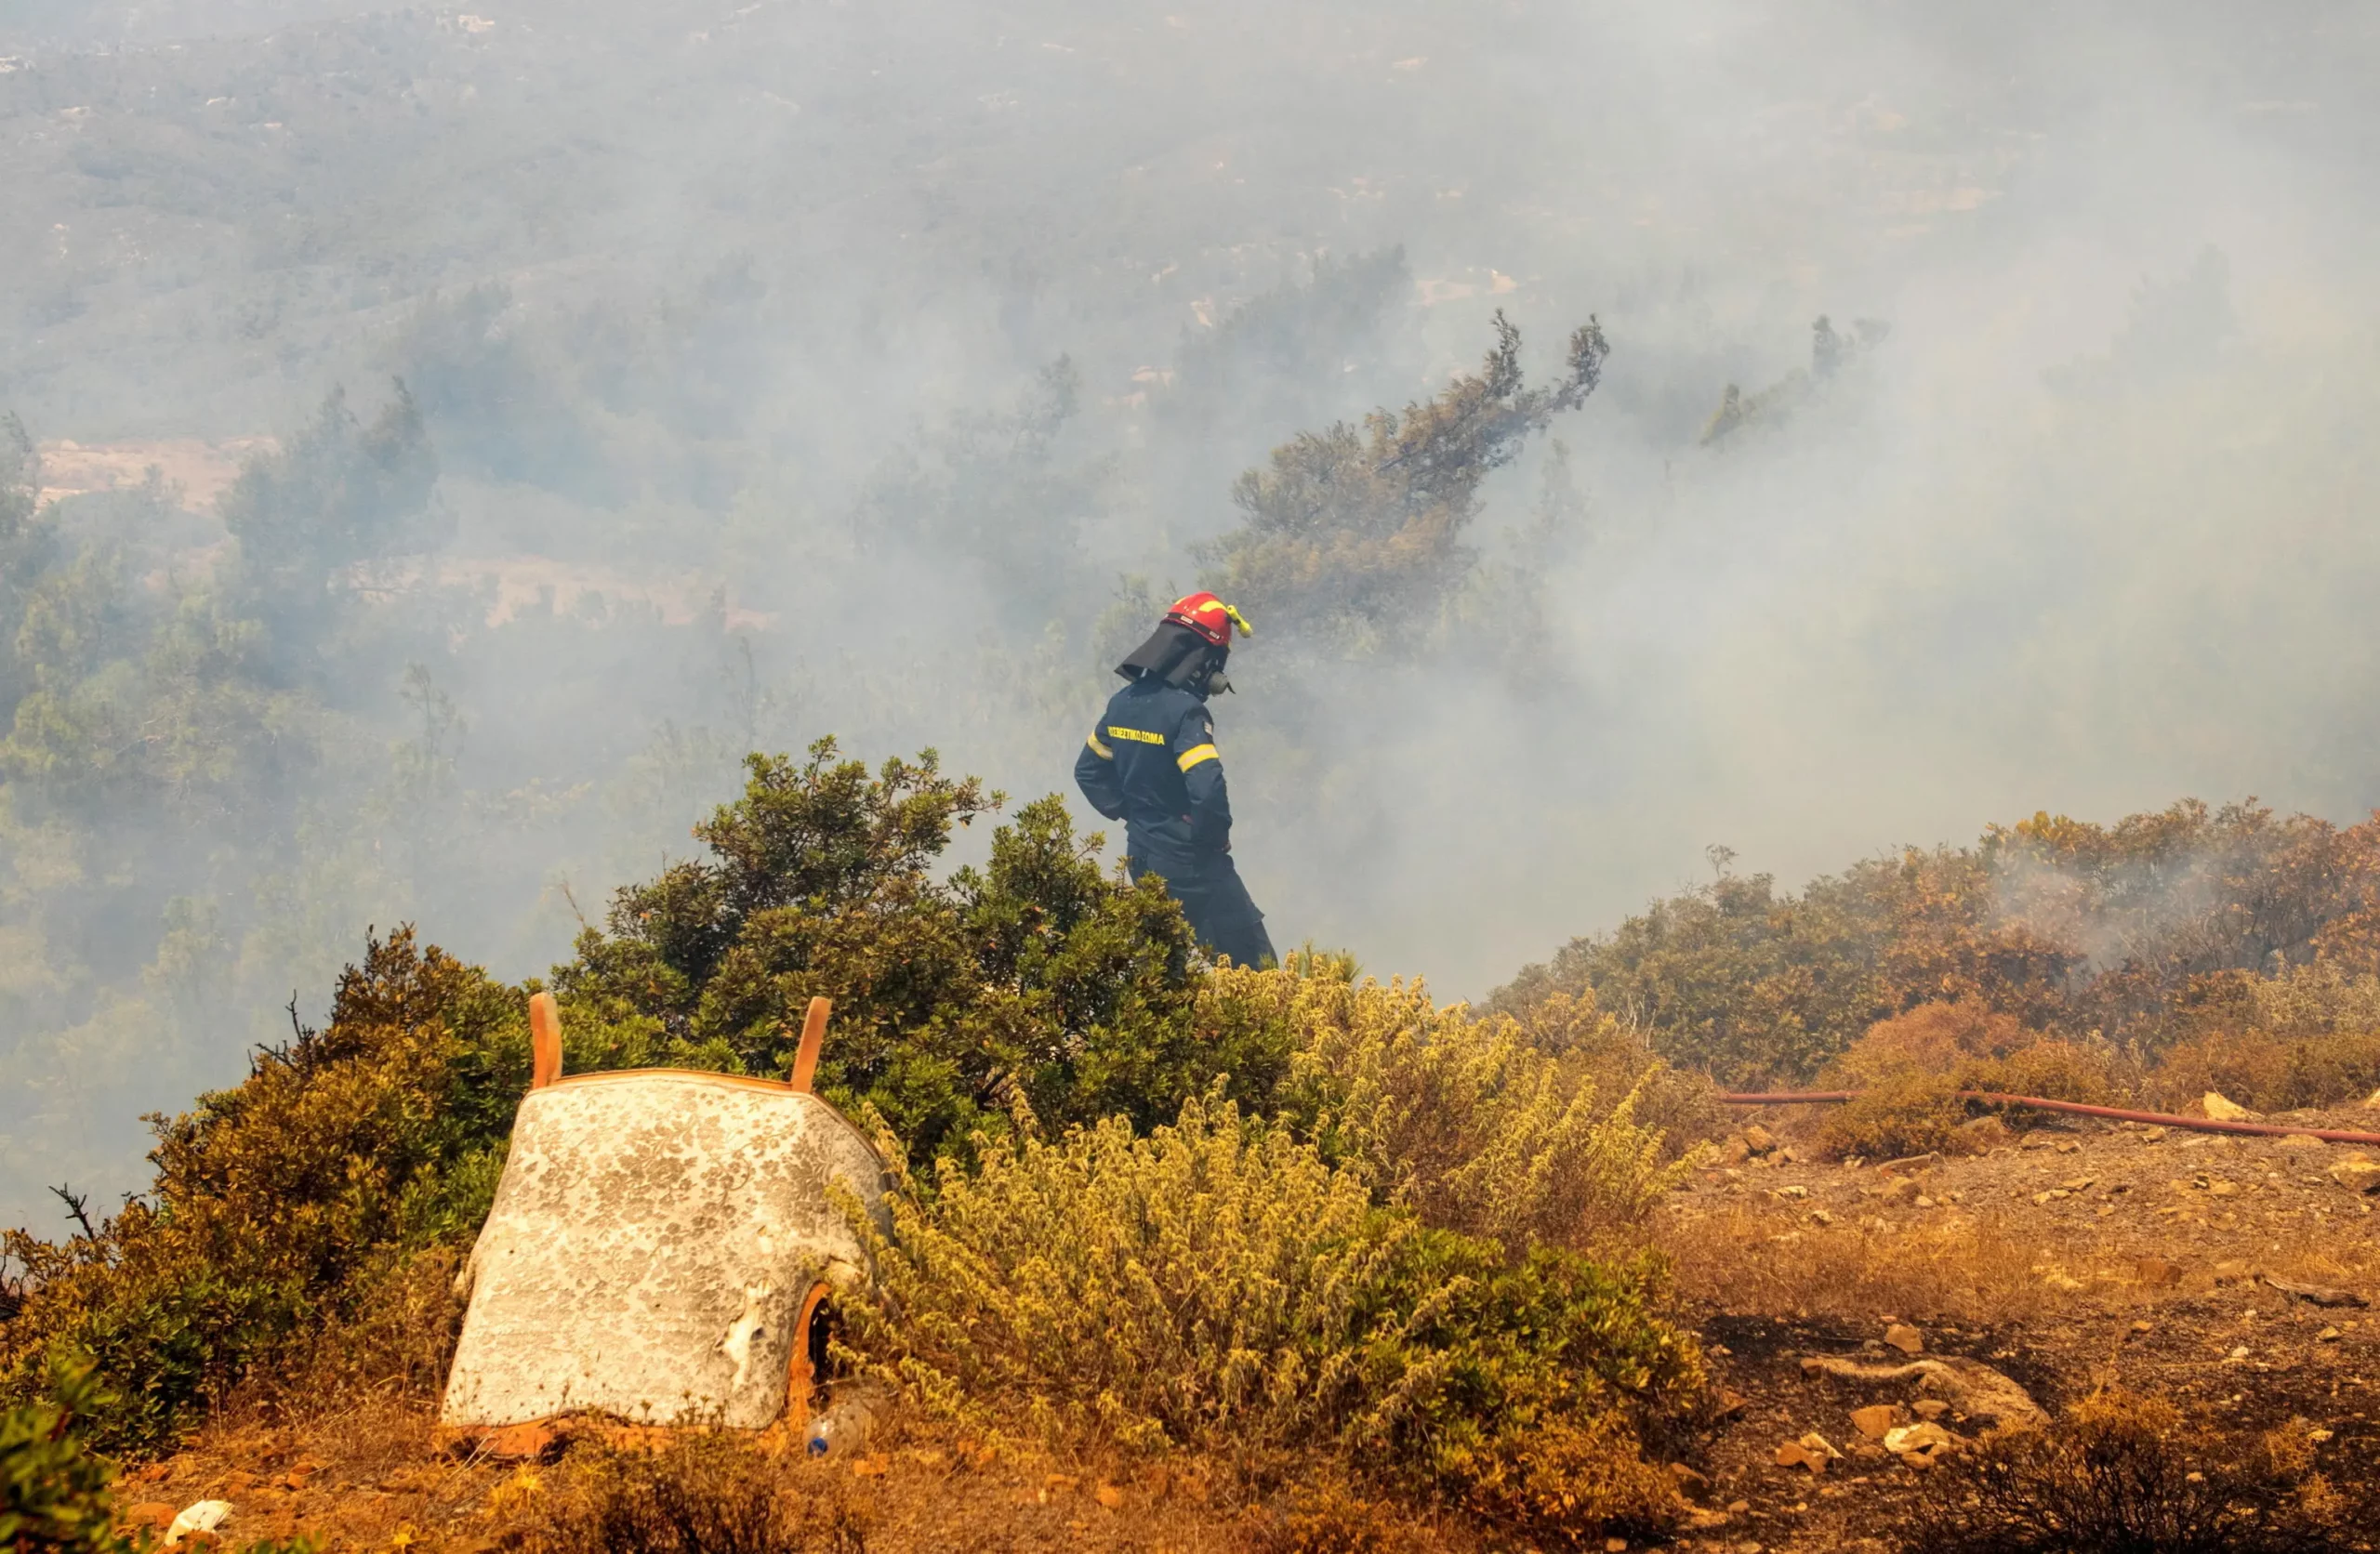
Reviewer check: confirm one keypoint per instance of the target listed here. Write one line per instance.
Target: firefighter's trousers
(1212, 898)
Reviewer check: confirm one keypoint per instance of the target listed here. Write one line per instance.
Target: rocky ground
(1849, 1310)
(372, 1479)
(2230, 1274)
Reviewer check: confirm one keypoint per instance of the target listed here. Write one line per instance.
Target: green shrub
(1910, 1114)
(2052, 1070)
(317, 1193)
(54, 1490)
(1038, 978)
(1218, 1284)
(279, 1206)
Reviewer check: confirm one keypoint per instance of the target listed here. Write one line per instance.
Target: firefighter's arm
(1202, 773)
(1095, 775)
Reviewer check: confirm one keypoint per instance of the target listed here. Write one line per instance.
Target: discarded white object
(202, 1516)
(1923, 1436)
(660, 1244)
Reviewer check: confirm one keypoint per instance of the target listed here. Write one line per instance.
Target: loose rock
(1875, 1419)
(1907, 1339)
(1982, 1135)
(2221, 1109)
(1758, 1140)
(2357, 1173)
(2319, 1295)
(1974, 1388)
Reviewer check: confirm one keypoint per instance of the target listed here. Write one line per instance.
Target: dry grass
(702, 1493)
(2268, 1072)
(1330, 1516)
(2121, 1474)
(350, 1472)
(2341, 1255)
(1974, 1269)
(374, 1478)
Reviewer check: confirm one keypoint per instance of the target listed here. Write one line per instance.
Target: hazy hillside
(740, 330)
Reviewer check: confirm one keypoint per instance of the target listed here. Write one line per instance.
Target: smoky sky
(732, 315)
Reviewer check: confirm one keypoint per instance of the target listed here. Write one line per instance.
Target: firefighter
(1151, 763)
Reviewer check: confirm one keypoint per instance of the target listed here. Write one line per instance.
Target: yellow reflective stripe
(1139, 736)
(1189, 758)
(1099, 750)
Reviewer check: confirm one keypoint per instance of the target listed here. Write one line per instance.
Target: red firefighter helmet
(1210, 617)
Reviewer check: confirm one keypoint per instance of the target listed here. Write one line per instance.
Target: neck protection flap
(1176, 655)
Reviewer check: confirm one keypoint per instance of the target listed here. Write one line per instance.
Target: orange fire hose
(2072, 1108)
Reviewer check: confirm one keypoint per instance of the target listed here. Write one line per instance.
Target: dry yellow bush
(1221, 1286)
(1913, 1066)
(1137, 1292)
(2320, 999)
(1935, 1038)
(2056, 1070)
(1909, 1113)
(1332, 1516)
(1556, 1132)
(2269, 1073)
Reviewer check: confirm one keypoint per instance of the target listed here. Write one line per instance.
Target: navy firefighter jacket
(1151, 763)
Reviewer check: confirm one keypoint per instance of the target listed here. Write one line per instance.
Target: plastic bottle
(842, 1430)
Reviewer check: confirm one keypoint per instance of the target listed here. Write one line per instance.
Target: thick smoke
(793, 369)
